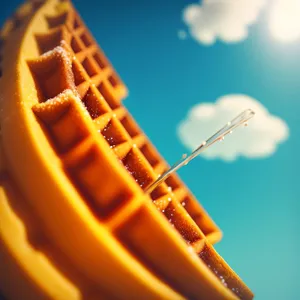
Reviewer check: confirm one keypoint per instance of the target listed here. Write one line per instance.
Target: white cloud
(284, 20)
(227, 20)
(258, 140)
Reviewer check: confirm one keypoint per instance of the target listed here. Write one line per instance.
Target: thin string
(239, 120)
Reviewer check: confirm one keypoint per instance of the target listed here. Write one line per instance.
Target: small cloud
(181, 34)
(258, 140)
(284, 20)
(227, 20)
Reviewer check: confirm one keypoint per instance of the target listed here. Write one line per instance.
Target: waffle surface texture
(75, 222)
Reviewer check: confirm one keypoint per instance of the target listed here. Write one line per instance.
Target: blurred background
(190, 67)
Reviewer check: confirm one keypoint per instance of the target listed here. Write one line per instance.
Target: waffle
(74, 165)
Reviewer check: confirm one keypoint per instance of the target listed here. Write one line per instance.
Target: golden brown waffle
(79, 162)
(101, 90)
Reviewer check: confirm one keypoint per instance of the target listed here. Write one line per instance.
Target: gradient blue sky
(255, 202)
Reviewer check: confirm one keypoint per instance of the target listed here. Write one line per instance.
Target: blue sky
(255, 202)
